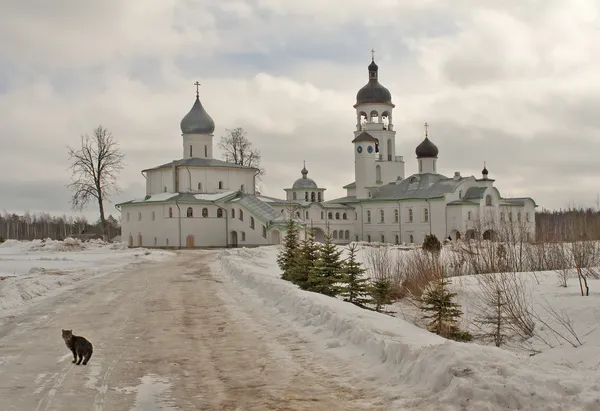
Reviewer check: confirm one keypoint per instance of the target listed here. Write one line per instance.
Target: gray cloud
(505, 83)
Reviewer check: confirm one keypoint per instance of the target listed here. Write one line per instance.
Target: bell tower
(374, 109)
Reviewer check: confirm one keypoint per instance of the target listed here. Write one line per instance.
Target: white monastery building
(199, 201)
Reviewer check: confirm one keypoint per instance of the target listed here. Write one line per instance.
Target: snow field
(31, 269)
(419, 369)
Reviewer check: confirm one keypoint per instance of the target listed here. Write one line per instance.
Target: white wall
(209, 178)
(202, 145)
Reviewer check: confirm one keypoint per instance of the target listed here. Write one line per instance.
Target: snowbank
(421, 370)
(30, 269)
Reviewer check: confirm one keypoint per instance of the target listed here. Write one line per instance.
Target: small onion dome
(426, 149)
(197, 121)
(484, 171)
(304, 182)
(373, 92)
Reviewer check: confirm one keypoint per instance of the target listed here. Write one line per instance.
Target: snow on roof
(156, 197)
(212, 196)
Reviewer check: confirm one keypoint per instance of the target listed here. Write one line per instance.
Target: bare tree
(95, 167)
(238, 149)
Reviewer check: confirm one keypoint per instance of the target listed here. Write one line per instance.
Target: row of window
(342, 235)
(221, 187)
(338, 216)
(397, 216)
(510, 216)
(318, 197)
(411, 238)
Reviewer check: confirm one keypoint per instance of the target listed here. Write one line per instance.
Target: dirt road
(167, 336)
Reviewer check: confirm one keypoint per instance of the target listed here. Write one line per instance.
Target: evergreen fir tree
(327, 270)
(432, 244)
(356, 290)
(287, 256)
(305, 260)
(381, 292)
(444, 312)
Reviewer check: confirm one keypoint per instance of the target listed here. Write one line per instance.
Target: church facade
(200, 201)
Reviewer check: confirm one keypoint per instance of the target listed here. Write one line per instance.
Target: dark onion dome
(373, 92)
(485, 170)
(427, 149)
(304, 182)
(197, 121)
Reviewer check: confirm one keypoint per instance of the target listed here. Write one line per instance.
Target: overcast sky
(513, 83)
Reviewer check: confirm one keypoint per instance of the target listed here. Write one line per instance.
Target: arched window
(190, 212)
(242, 188)
(335, 234)
(468, 215)
(205, 212)
(233, 213)
(319, 198)
(519, 216)
(167, 241)
(306, 196)
(344, 217)
(264, 231)
(306, 215)
(205, 151)
(389, 149)
(219, 213)
(374, 117)
(243, 236)
(460, 194)
(337, 216)
(170, 212)
(312, 197)
(347, 235)
(426, 215)
(165, 189)
(155, 241)
(410, 216)
(527, 217)
(369, 238)
(140, 216)
(368, 216)
(330, 215)
(411, 238)
(488, 200)
(396, 215)
(220, 185)
(153, 216)
(190, 150)
(381, 216)
(382, 238)
(294, 196)
(378, 173)
(298, 214)
(252, 223)
(397, 239)
(241, 215)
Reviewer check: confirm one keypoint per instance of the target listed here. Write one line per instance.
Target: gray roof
(517, 201)
(259, 208)
(304, 181)
(200, 162)
(461, 202)
(426, 149)
(418, 186)
(341, 200)
(185, 198)
(373, 92)
(364, 136)
(474, 193)
(197, 121)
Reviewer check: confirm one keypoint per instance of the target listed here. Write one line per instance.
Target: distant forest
(562, 225)
(43, 225)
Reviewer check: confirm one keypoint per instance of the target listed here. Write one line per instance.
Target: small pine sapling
(443, 312)
(305, 260)
(381, 291)
(287, 256)
(356, 290)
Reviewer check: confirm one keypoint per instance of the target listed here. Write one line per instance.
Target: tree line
(37, 226)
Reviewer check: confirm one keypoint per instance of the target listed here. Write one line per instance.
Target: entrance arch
(319, 235)
(470, 235)
(489, 235)
(139, 240)
(455, 235)
(189, 241)
(130, 241)
(275, 237)
(234, 239)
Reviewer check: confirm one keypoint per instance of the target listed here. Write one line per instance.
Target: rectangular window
(397, 239)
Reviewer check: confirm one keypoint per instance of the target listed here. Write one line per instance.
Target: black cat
(79, 346)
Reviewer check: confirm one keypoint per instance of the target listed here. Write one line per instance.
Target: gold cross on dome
(373, 54)
(426, 129)
(197, 84)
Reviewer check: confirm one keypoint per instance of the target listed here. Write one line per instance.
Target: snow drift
(419, 370)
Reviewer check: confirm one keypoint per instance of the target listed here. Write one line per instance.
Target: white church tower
(197, 128)
(375, 160)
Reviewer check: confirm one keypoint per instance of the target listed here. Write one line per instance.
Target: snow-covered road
(173, 336)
